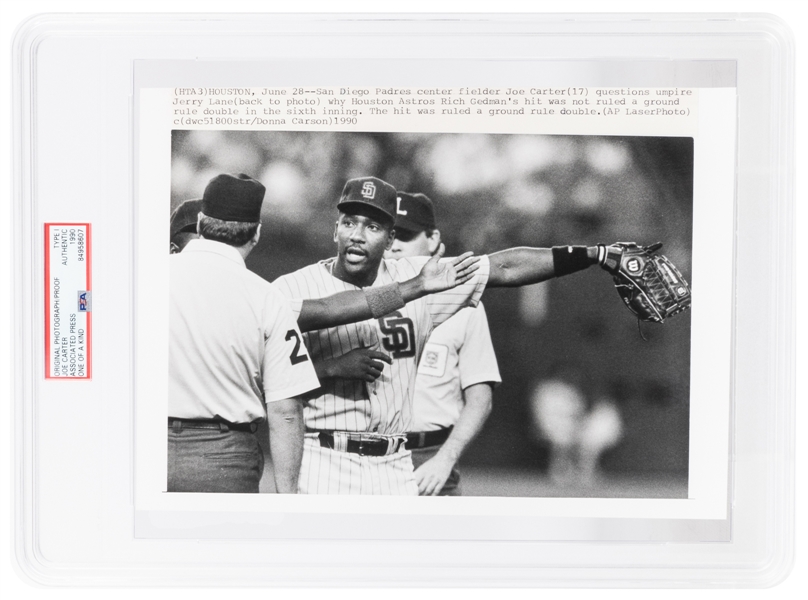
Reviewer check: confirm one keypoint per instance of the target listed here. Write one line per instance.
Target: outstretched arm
(523, 266)
(353, 306)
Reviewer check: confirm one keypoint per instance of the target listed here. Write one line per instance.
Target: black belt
(362, 446)
(425, 439)
(179, 424)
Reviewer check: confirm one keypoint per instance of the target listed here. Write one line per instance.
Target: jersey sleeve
(476, 359)
(287, 367)
(445, 304)
(291, 290)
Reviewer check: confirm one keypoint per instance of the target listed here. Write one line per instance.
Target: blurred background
(587, 407)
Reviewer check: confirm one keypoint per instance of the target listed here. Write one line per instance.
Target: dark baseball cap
(234, 198)
(185, 216)
(369, 191)
(415, 212)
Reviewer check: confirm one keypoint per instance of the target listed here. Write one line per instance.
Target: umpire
(183, 224)
(457, 372)
(234, 345)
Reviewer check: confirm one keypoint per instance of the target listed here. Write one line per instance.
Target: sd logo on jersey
(399, 335)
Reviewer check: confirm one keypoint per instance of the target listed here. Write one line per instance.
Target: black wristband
(569, 259)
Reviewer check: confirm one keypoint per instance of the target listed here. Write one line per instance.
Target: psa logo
(368, 190)
(85, 301)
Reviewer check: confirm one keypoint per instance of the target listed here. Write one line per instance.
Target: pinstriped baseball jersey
(384, 406)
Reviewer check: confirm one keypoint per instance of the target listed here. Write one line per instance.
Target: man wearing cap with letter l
(235, 351)
(355, 428)
(457, 372)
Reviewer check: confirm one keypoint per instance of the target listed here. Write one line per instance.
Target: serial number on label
(68, 301)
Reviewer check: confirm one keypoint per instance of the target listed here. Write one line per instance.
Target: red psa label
(68, 301)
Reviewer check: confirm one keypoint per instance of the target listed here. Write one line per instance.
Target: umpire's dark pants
(209, 460)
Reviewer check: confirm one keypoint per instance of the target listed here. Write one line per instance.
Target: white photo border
(714, 178)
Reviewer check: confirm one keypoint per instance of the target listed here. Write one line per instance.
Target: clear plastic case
(94, 159)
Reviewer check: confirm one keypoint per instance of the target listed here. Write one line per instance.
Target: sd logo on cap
(369, 191)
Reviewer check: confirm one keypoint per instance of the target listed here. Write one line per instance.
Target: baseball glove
(650, 286)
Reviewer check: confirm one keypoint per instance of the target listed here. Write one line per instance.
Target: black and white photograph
(430, 314)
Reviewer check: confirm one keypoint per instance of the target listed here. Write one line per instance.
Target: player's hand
(437, 275)
(432, 475)
(363, 364)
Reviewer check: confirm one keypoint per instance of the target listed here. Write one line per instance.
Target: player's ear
(433, 241)
(257, 235)
(391, 237)
(336, 226)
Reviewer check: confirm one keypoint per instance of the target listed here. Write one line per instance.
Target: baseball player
(457, 372)
(355, 429)
(234, 345)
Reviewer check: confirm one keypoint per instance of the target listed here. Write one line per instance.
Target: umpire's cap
(184, 217)
(415, 213)
(369, 191)
(234, 198)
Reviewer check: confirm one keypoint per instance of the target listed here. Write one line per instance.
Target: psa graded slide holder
(602, 397)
